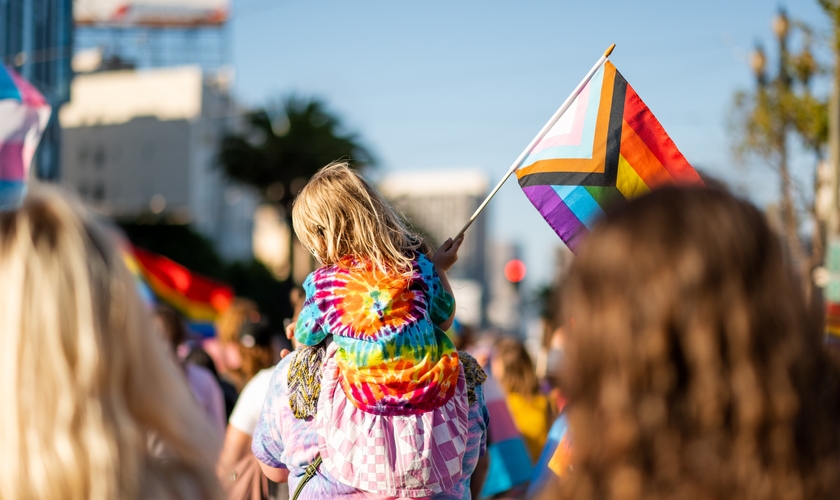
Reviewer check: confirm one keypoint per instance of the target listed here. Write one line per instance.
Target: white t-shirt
(247, 410)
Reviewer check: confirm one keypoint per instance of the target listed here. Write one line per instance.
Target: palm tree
(278, 154)
(278, 151)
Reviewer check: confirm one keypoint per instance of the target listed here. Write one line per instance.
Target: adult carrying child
(396, 410)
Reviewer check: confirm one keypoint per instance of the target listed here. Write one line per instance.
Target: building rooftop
(113, 97)
(471, 182)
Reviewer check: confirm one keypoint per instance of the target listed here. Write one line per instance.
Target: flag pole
(540, 135)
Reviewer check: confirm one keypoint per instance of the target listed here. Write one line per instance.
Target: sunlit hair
(86, 385)
(692, 369)
(518, 374)
(231, 320)
(253, 358)
(338, 214)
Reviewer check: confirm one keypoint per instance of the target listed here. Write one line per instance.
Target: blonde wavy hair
(86, 385)
(693, 370)
(338, 214)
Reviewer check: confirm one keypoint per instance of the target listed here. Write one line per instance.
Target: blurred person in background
(558, 436)
(512, 367)
(238, 469)
(257, 341)
(509, 467)
(205, 389)
(224, 347)
(693, 370)
(86, 385)
(235, 361)
(197, 356)
(237, 465)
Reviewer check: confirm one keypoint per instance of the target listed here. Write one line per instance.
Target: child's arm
(444, 258)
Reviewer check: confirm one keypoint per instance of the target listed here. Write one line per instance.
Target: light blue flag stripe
(581, 203)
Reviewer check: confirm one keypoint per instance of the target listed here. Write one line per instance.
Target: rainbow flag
(557, 449)
(146, 294)
(24, 114)
(199, 299)
(607, 146)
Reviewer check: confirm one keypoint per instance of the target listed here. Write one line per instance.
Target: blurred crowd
(691, 368)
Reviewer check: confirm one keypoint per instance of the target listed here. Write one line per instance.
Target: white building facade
(139, 142)
(438, 204)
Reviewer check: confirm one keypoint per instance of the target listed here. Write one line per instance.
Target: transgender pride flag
(23, 116)
(607, 146)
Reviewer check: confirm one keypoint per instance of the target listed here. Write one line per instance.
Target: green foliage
(279, 150)
(783, 106)
(252, 280)
(178, 242)
(809, 117)
(761, 120)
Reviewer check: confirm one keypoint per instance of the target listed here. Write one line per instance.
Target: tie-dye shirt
(392, 358)
(283, 441)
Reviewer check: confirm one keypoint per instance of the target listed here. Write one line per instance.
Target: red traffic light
(515, 270)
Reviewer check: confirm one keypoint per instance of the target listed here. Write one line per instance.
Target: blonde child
(392, 408)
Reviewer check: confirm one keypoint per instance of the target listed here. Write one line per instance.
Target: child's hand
(446, 256)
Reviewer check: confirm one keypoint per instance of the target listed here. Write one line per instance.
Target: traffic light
(515, 271)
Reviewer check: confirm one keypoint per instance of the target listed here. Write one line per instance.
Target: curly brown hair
(693, 370)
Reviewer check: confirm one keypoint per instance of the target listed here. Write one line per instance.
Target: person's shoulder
(265, 373)
(261, 380)
(283, 365)
(199, 374)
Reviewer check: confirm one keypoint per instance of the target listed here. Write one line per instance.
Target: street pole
(833, 222)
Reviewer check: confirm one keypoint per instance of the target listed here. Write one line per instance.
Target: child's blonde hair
(339, 214)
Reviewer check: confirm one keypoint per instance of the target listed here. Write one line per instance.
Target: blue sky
(452, 84)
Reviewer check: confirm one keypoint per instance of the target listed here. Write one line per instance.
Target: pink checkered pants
(404, 456)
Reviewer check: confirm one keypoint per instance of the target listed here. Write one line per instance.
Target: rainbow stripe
(24, 114)
(832, 322)
(199, 299)
(607, 146)
(143, 289)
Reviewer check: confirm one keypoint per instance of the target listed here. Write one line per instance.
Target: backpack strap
(305, 380)
(311, 470)
(473, 373)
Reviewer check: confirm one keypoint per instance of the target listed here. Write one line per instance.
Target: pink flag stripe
(29, 94)
(11, 162)
(502, 426)
(572, 137)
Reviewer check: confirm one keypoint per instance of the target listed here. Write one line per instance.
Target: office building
(146, 141)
